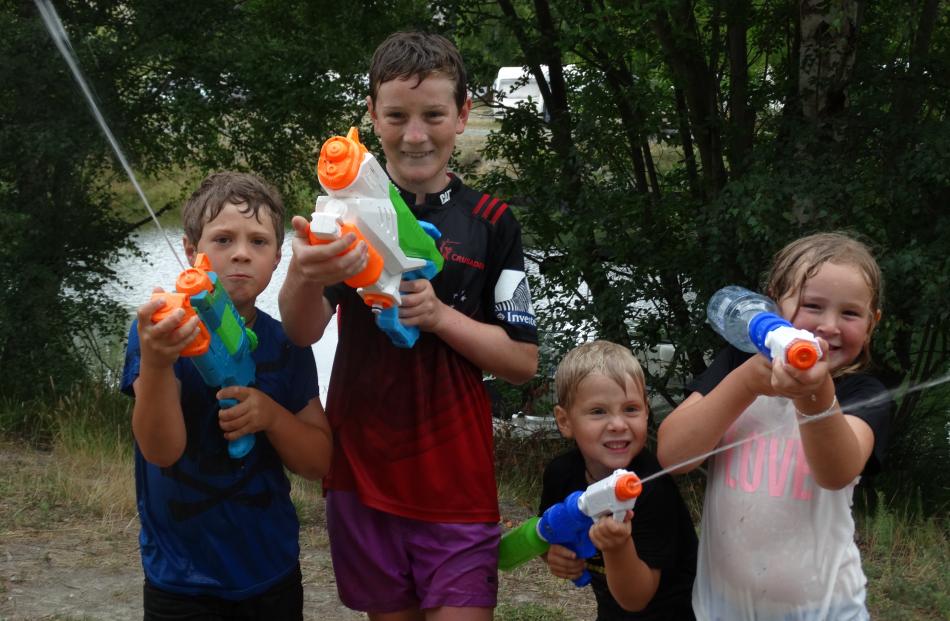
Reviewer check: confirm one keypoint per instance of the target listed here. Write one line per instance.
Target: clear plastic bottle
(731, 310)
(751, 322)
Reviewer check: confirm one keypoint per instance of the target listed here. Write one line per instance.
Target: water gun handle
(775, 337)
(222, 350)
(565, 524)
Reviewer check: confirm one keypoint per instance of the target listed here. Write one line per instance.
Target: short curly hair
(404, 55)
(247, 191)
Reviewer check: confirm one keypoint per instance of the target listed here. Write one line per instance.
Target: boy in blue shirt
(219, 536)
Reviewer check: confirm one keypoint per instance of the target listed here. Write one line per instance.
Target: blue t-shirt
(212, 525)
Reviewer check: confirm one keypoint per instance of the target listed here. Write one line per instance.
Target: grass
(85, 474)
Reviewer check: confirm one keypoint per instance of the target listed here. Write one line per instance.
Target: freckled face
(835, 305)
(243, 252)
(608, 422)
(417, 123)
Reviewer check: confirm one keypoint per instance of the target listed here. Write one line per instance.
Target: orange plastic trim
(628, 486)
(174, 301)
(802, 355)
(340, 160)
(378, 300)
(193, 280)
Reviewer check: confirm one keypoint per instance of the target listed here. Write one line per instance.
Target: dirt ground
(58, 563)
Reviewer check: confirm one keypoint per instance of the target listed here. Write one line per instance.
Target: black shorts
(283, 602)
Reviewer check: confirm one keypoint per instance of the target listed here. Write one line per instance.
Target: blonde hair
(800, 260)
(603, 357)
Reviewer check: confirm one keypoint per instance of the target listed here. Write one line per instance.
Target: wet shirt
(212, 525)
(773, 544)
(412, 427)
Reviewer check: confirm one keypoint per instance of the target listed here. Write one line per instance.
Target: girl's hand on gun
(793, 383)
(757, 373)
(254, 412)
(607, 533)
(564, 563)
(420, 306)
(326, 264)
(161, 343)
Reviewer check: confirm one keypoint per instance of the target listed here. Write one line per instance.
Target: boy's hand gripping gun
(222, 349)
(568, 523)
(361, 199)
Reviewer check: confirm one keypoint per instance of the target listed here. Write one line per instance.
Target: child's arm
(632, 582)
(304, 312)
(157, 420)
(302, 441)
(837, 446)
(485, 345)
(697, 424)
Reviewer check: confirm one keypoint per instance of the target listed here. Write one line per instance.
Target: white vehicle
(513, 85)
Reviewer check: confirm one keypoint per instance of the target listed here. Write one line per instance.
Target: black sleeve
(563, 474)
(866, 398)
(507, 297)
(728, 359)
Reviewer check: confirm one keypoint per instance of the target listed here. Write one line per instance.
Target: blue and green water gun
(222, 350)
(568, 522)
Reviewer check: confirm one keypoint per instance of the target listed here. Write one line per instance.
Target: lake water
(159, 268)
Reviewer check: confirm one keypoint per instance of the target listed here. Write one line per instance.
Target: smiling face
(835, 304)
(608, 421)
(417, 123)
(243, 252)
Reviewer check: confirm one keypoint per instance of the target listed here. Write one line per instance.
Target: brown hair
(404, 55)
(248, 192)
(794, 264)
(603, 357)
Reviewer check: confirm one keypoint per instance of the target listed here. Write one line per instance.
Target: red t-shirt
(412, 428)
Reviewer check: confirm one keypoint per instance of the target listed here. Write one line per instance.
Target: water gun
(751, 322)
(775, 337)
(222, 349)
(362, 200)
(568, 522)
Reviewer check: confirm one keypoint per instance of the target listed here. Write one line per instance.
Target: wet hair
(248, 192)
(405, 55)
(800, 260)
(603, 357)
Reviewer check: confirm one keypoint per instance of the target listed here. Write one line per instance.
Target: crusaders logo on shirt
(447, 248)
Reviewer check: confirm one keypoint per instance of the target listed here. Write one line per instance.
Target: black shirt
(662, 532)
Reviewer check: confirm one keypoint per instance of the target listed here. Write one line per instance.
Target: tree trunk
(826, 60)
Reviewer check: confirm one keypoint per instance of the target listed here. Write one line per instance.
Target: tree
(202, 86)
(689, 141)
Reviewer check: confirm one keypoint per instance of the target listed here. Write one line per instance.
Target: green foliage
(676, 158)
(906, 558)
(184, 86)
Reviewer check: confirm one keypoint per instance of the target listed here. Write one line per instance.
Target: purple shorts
(387, 563)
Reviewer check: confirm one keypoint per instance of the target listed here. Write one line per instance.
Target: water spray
(61, 39)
